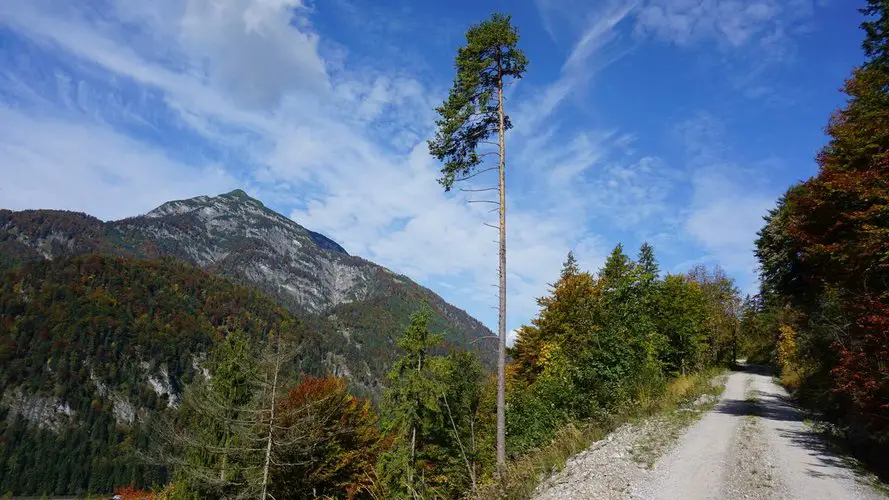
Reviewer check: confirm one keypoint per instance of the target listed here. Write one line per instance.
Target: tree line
(822, 313)
(599, 343)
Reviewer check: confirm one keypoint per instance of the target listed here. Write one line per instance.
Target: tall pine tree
(473, 112)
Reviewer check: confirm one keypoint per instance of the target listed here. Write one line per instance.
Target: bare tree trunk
(268, 447)
(501, 326)
(410, 469)
(410, 466)
(224, 455)
(469, 467)
(472, 437)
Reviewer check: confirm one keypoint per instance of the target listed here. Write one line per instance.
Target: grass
(791, 380)
(679, 407)
(524, 473)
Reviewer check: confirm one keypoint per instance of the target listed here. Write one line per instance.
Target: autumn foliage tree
(327, 441)
(825, 249)
(601, 342)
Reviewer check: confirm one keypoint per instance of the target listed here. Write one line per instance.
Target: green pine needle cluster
(469, 116)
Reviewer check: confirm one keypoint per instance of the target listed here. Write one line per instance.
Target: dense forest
(81, 339)
(822, 313)
(250, 244)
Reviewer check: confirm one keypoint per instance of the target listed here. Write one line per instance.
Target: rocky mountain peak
(238, 193)
(238, 212)
(233, 202)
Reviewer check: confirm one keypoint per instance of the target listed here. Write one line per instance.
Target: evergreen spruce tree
(569, 267)
(617, 268)
(411, 409)
(648, 267)
(468, 422)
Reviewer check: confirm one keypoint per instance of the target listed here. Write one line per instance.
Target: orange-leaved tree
(328, 442)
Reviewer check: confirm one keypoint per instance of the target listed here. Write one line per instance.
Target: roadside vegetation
(606, 348)
(822, 313)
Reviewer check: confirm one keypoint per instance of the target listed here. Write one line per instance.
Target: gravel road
(753, 445)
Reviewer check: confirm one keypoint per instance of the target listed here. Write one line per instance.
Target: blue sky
(678, 122)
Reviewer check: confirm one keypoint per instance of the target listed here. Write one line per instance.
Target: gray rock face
(43, 411)
(238, 236)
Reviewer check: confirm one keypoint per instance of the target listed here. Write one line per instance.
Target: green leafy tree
(682, 316)
(411, 411)
(626, 356)
(473, 112)
(723, 301)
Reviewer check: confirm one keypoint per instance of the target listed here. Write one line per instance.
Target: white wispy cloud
(121, 105)
(291, 119)
(728, 199)
(593, 50)
(756, 39)
(90, 168)
(734, 23)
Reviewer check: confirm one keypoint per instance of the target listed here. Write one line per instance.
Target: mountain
(93, 347)
(103, 323)
(358, 306)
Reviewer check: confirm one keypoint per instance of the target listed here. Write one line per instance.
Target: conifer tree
(647, 264)
(617, 267)
(411, 408)
(210, 446)
(473, 112)
(223, 441)
(466, 421)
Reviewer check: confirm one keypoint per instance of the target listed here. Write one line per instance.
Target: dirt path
(752, 445)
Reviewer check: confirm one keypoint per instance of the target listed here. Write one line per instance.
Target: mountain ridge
(238, 237)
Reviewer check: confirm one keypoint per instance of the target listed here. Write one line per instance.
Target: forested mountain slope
(92, 347)
(358, 302)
